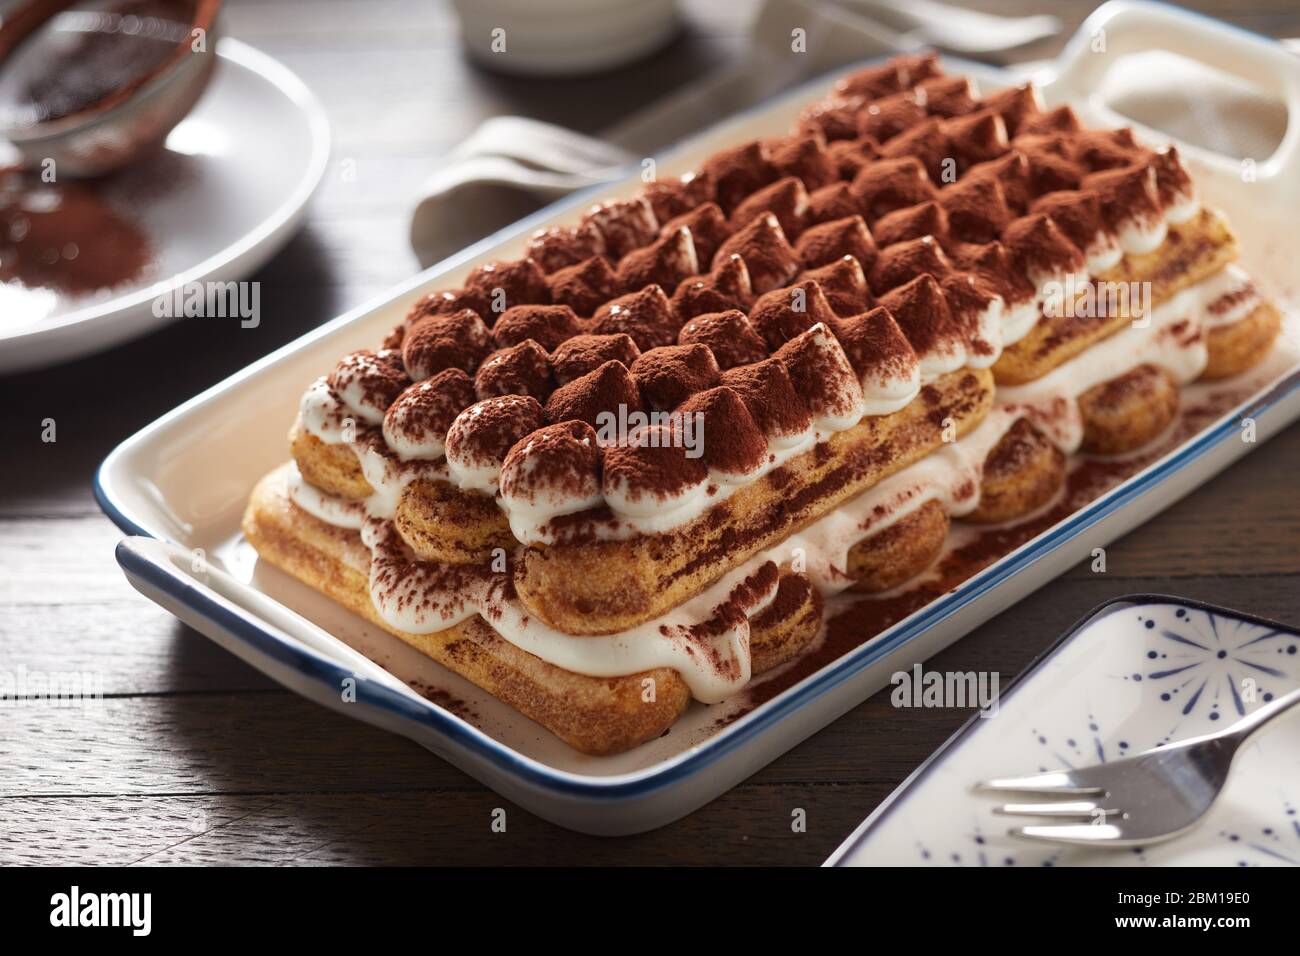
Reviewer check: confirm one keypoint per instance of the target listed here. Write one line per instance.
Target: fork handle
(1252, 722)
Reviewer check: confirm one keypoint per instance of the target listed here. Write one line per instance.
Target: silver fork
(955, 28)
(1146, 798)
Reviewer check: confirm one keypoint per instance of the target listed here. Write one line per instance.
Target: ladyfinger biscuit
(1125, 413)
(332, 468)
(1021, 474)
(1192, 252)
(899, 552)
(1236, 347)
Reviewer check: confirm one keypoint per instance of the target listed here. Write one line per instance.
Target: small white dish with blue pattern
(1140, 672)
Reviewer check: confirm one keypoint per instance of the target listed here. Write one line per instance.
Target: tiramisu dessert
(625, 471)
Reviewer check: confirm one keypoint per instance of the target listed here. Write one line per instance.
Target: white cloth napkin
(509, 167)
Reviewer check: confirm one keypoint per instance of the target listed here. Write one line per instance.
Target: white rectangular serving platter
(180, 486)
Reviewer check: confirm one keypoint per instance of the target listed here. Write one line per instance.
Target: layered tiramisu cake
(625, 471)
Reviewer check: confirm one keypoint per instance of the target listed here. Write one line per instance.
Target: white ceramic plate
(183, 482)
(239, 170)
(1140, 672)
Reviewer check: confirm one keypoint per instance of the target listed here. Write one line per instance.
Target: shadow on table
(303, 785)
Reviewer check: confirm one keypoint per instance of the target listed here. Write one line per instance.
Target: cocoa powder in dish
(64, 241)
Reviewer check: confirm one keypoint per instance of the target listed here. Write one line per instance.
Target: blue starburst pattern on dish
(1081, 749)
(1213, 666)
(1269, 844)
(977, 851)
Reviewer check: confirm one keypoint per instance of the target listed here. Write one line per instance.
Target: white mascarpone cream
(1019, 320)
(889, 390)
(1172, 339)
(1230, 296)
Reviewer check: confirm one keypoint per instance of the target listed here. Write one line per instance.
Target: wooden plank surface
(192, 757)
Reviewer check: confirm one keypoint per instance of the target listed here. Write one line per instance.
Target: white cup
(563, 37)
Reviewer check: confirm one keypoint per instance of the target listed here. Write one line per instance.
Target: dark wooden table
(192, 757)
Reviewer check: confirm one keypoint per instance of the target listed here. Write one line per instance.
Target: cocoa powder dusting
(487, 430)
(563, 457)
(652, 465)
(728, 334)
(769, 394)
(603, 390)
(586, 353)
(446, 700)
(1232, 299)
(732, 441)
(430, 407)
